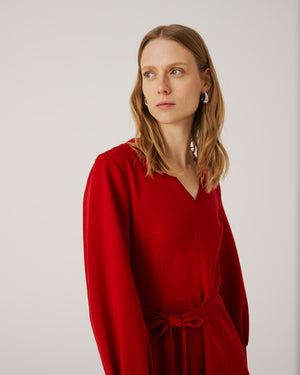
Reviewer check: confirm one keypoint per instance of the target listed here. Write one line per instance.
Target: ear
(206, 77)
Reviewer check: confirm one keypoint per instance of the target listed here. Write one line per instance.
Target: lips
(164, 103)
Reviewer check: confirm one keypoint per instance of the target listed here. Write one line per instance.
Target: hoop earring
(146, 102)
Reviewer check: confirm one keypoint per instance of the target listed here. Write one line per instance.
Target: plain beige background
(67, 71)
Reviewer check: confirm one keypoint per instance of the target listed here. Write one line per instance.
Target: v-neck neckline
(186, 192)
(185, 189)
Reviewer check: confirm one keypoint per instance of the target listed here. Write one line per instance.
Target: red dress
(165, 289)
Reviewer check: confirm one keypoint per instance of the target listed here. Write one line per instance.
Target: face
(170, 73)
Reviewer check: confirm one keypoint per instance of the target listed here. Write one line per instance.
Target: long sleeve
(232, 287)
(114, 308)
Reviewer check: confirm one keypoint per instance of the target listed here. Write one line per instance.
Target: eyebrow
(174, 63)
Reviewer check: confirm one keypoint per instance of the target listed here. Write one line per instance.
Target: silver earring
(146, 101)
(205, 100)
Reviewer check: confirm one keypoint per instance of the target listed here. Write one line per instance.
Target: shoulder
(109, 170)
(122, 156)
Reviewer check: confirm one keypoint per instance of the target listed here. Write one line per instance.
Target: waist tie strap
(158, 323)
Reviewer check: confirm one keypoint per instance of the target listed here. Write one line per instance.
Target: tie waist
(158, 323)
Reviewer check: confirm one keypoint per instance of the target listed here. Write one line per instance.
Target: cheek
(190, 90)
(191, 97)
(146, 90)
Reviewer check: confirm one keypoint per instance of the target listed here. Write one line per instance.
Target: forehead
(162, 52)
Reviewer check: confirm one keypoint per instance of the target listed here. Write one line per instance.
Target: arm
(232, 287)
(114, 308)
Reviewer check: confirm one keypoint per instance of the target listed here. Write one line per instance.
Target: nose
(163, 85)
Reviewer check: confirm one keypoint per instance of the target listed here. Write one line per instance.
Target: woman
(165, 287)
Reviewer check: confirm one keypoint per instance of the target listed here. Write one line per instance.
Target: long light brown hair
(205, 137)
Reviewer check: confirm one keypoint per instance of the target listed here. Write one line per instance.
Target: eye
(177, 70)
(173, 70)
(145, 74)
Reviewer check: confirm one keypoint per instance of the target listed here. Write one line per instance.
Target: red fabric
(164, 282)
